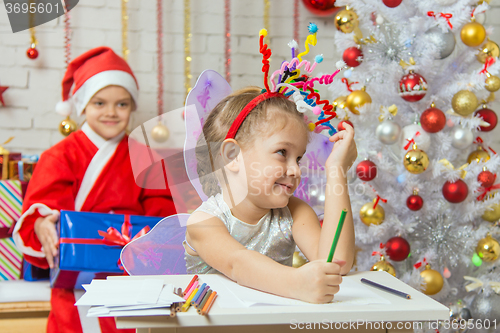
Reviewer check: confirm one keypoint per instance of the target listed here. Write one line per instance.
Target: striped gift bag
(10, 211)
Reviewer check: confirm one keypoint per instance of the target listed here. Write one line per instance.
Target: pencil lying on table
(175, 307)
(209, 303)
(390, 290)
(204, 300)
(189, 285)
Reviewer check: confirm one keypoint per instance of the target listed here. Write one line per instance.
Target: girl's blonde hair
(256, 124)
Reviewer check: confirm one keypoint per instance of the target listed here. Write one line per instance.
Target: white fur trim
(64, 108)
(44, 211)
(101, 80)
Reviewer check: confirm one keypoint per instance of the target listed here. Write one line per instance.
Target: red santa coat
(84, 173)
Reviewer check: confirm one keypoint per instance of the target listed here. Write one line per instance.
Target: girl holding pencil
(248, 160)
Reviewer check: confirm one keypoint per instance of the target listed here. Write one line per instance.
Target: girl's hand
(344, 151)
(45, 230)
(317, 281)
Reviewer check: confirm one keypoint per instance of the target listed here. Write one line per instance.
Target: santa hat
(89, 73)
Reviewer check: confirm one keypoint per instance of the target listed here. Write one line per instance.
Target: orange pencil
(209, 303)
(189, 285)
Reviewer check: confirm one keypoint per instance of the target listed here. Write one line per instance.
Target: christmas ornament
(387, 47)
(459, 315)
(416, 133)
(340, 126)
(187, 43)
(486, 178)
(464, 102)
(67, 126)
(488, 248)
(366, 170)
(32, 52)
(2, 90)
(298, 260)
(397, 248)
(416, 160)
(414, 201)
(296, 20)
(67, 34)
(321, 7)
(392, 3)
(388, 132)
(433, 120)
(478, 155)
(372, 213)
(353, 56)
(488, 116)
(160, 133)
(346, 20)
(486, 309)
(461, 138)
(227, 38)
(412, 87)
(125, 50)
(341, 103)
(455, 192)
(488, 50)
(356, 99)
(492, 82)
(473, 34)
(492, 213)
(443, 41)
(433, 281)
(384, 266)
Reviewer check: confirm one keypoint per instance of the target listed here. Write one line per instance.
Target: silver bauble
(461, 138)
(444, 41)
(460, 315)
(487, 309)
(388, 132)
(480, 17)
(423, 140)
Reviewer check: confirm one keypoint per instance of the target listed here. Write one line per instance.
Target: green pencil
(337, 234)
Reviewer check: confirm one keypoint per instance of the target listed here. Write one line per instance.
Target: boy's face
(108, 111)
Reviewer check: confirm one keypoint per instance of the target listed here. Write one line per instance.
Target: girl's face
(108, 111)
(272, 165)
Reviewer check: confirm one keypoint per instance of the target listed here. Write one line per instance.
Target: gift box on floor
(21, 170)
(10, 211)
(90, 245)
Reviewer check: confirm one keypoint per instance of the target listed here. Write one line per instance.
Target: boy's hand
(45, 230)
(317, 281)
(344, 151)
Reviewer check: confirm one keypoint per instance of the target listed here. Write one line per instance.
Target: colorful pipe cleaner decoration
(300, 87)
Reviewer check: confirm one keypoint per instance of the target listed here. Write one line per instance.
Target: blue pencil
(390, 290)
(200, 291)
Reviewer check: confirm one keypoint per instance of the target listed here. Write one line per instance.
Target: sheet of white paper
(167, 295)
(150, 291)
(134, 313)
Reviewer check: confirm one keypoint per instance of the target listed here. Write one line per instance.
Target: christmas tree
(423, 189)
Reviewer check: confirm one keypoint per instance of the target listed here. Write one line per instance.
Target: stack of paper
(117, 298)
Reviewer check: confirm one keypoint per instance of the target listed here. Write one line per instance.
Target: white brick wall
(35, 85)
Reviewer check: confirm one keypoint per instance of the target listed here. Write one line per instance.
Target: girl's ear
(230, 151)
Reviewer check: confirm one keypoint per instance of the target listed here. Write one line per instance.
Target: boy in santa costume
(90, 171)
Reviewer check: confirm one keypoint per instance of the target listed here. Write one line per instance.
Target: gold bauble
(433, 281)
(416, 161)
(464, 102)
(357, 99)
(489, 49)
(492, 215)
(340, 102)
(478, 155)
(67, 126)
(492, 83)
(383, 265)
(160, 133)
(473, 34)
(346, 21)
(488, 248)
(369, 215)
(298, 260)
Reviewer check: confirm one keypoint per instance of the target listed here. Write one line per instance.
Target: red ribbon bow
(346, 81)
(378, 199)
(489, 61)
(419, 264)
(446, 16)
(114, 237)
(411, 141)
(480, 141)
(485, 191)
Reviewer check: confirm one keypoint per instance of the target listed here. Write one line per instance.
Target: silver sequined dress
(271, 236)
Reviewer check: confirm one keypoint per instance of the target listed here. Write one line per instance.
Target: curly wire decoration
(288, 65)
(266, 54)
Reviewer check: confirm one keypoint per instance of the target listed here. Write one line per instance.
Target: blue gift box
(83, 252)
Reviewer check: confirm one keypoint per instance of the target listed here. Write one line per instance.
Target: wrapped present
(90, 245)
(21, 170)
(33, 273)
(10, 211)
(5, 157)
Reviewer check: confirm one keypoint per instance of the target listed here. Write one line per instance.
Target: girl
(90, 170)
(248, 228)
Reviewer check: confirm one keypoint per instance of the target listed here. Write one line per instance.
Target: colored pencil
(390, 290)
(195, 284)
(204, 300)
(200, 298)
(190, 284)
(186, 305)
(209, 303)
(200, 291)
(173, 311)
(337, 234)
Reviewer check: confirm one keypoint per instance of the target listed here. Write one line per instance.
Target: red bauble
(412, 87)
(366, 170)
(353, 56)
(455, 192)
(321, 7)
(433, 120)
(32, 53)
(340, 126)
(486, 178)
(397, 248)
(392, 3)
(488, 116)
(414, 202)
